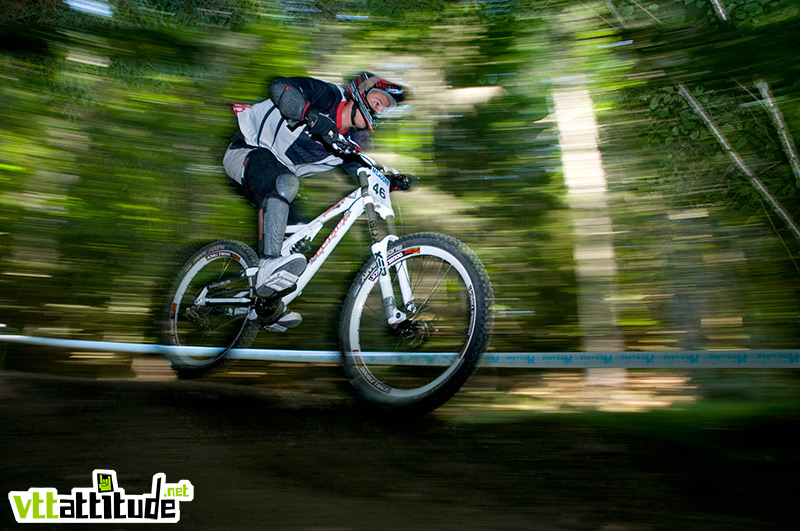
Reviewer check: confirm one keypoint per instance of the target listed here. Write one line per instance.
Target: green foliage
(113, 129)
(712, 229)
(718, 62)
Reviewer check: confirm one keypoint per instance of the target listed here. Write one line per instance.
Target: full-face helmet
(365, 82)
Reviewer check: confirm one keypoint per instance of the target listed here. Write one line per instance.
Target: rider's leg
(269, 184)
(273, 218)
(275, 214)
(277, 273)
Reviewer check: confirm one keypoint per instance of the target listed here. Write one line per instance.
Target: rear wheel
(210, 308)
(419, 364)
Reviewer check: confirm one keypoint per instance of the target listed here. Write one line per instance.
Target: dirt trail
(264, 459)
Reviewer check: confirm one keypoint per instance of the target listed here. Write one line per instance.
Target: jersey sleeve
(295, 95)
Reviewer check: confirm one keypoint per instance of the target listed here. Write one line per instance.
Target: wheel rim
(205, 332)
(414, 361)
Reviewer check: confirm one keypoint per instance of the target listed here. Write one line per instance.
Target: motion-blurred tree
(687, 58)
(114, 124)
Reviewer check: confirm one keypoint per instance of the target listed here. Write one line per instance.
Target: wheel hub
(413, 331)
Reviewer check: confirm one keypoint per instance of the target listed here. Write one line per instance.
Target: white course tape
(701, 359)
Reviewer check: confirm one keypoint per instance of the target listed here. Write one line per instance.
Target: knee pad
(261, 170)
(286, 186)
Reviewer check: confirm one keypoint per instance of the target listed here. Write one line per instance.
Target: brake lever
(345, 146)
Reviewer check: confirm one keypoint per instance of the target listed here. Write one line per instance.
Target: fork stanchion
(369, 206)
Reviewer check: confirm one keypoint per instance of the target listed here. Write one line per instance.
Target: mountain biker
(288, 137)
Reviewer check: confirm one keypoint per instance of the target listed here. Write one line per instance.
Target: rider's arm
(295, 96)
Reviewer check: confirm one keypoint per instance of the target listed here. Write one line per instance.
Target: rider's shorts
(253, 170)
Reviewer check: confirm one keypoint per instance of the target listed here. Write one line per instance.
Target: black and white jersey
(283, 131)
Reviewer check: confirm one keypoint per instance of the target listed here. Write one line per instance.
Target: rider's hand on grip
(344, 146)
(322, 125)
(400, 181)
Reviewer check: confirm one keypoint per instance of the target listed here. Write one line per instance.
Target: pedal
(287, 321)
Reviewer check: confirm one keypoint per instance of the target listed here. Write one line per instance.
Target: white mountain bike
(414, 324)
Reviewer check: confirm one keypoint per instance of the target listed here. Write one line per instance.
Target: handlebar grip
(345, 146)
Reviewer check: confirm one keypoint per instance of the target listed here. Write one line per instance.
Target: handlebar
(344, 146)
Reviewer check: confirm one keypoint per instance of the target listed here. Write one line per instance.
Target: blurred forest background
(115, 116)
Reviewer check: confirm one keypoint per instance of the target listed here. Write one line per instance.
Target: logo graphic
(105, 483)
(103, 502)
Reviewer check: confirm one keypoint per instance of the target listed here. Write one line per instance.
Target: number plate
(379, 190)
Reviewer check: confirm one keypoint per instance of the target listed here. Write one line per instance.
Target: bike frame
(373, 199)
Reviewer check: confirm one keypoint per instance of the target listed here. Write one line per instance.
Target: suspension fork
(380, 251)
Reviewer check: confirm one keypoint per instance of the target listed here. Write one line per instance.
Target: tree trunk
(755, 181)
(595, 261)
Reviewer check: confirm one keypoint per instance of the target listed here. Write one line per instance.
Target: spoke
(425, 303)
(422, 352)
(376, 313)
(204, 321)
(223, 324)
(225, 266)
(420, 274)
(444, 313)
(423, 269)
(219, 320)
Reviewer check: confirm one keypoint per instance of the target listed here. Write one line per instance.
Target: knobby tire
(448, 330)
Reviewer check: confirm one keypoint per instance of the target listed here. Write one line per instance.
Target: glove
(398, 181)
(322, 125)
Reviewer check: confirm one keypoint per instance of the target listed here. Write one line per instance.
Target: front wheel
(210, 307)
(418, 364)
